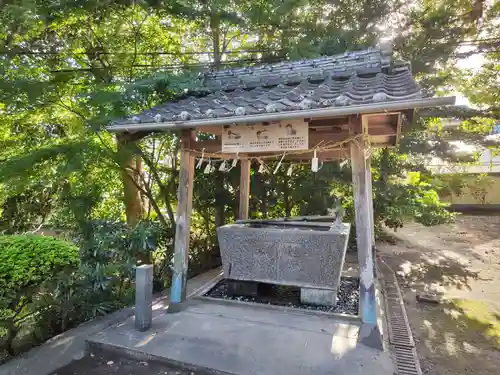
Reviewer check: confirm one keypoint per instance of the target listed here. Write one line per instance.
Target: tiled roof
(352, 78)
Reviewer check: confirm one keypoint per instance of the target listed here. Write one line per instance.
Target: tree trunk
(219, 190)
(131, 168)
(286, 198)
(263, 201)
(220, 206)
(215, 29)
(220, 217)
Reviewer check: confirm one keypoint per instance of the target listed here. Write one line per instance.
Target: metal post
(143, 297)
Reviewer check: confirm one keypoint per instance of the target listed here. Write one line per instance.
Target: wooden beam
(315, 138)
(341, 122)
(182, 226)
(380, 130)
(245, 165)
(369, 334)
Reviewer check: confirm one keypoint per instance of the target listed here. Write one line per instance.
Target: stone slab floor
(245, 340)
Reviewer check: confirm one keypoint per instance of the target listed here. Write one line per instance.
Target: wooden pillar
(183, 221)
(244, 189)
(370, 197)
(369, 334)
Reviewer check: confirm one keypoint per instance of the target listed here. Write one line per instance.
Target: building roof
(351, 79)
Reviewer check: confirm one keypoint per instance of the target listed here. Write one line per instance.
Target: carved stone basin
(309, 255)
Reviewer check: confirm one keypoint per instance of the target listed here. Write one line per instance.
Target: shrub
(29, 260)
(104, 280)
(49, 286)
(28, 265)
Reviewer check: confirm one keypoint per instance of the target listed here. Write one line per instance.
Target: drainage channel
(400, 336)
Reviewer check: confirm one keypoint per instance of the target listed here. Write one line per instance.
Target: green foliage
(68, 68)
(109, 251)
(451, 185)
(480, 187)
(104, 281)
(27, 261)
(398, 195)
(401, 196)
(25, 211)
(28, 266)
(48, 285)
(482, 86)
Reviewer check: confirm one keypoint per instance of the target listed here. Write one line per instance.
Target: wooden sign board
(273, 136)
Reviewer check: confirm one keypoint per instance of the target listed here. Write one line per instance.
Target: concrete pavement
(249, 341)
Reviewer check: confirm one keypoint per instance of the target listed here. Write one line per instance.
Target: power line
(480, 40)
(269, 59)
(192, 53)
(153, 53)
(170, 67)
(208, 64)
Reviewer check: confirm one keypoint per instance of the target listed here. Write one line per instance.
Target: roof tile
(352, 78)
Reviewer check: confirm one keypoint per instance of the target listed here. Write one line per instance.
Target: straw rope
(320, 147)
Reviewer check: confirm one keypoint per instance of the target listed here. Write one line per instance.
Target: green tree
(70, 67)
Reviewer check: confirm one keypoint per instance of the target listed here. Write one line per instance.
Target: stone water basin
(309, 255)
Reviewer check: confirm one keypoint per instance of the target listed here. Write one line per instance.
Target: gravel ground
(347, 303)
(111, 364)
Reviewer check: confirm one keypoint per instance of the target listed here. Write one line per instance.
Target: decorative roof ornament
(210, 113)
(272, 107)
(325, 102)
(380, 97)
(341, 100)
(184, 116)
(307, 104)
(385, 46)
(158, 118)
(240, 111)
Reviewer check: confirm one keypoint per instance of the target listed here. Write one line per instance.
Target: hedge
(28, 263)
(29, 260)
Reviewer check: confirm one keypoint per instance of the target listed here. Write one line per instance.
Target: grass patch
(480, 317)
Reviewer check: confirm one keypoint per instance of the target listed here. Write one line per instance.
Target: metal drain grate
(400, 337)
(399, 329)
(406, 360)
(399, 334)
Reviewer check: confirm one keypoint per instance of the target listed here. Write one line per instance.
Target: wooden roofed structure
(327, 108)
